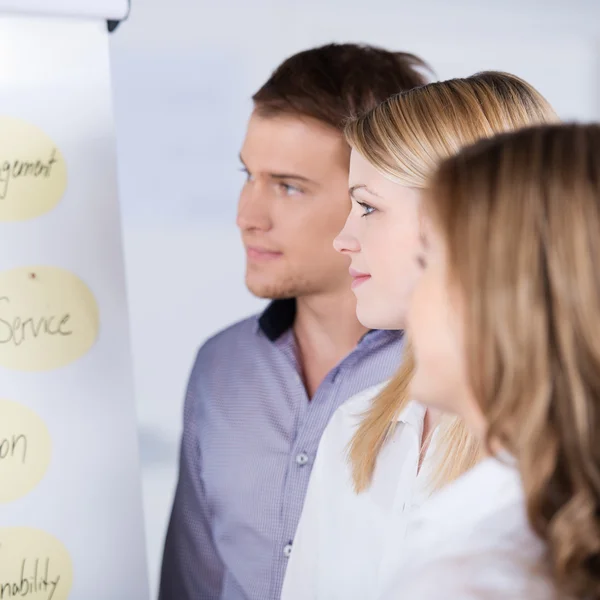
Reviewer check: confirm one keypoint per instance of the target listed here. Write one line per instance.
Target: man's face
(293, 204)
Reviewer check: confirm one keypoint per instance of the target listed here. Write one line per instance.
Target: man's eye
(247, 173)
(289, 190)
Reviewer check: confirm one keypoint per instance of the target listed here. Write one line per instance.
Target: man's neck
(328, 323)
(326, 330)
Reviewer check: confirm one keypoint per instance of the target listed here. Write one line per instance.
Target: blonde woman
(505, 328)
(368, 472)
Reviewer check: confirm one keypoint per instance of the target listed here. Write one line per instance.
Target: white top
(472, 540)
(347, 542)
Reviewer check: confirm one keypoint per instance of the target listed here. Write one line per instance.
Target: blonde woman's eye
(366, 208)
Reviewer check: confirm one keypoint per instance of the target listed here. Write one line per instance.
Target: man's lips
(259, 253)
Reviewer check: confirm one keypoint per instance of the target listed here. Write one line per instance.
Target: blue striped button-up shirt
(250, 436)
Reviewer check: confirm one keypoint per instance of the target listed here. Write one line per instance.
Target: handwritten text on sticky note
(33, 565)
(25, 450)
(33, 173)
(48, 318)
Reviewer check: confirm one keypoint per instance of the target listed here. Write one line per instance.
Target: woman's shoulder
(351, 412)
(347, 418)
(495, 556)
(480, 576)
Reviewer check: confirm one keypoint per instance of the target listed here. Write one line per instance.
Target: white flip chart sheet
(101, 9)
(71, 522)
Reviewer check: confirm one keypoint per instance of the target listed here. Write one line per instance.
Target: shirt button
(298, 379)
(302, 458)
(287, 550)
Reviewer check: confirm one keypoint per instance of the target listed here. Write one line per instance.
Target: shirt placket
(283, 544)
(403, 498)
(312, 419)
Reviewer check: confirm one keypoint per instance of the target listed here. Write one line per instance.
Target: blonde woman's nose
(345, 242)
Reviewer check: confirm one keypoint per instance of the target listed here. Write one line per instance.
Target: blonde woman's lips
(358, 278)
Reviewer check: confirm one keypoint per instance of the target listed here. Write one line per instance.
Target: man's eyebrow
(362, 187)
(290, 176)
(280, 176)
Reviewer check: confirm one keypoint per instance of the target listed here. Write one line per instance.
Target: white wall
(184, 71)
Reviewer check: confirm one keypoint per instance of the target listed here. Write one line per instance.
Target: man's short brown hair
(335, 82)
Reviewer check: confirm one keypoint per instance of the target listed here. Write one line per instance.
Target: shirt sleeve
(191, 567)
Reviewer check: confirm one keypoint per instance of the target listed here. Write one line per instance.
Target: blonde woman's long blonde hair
(520, 216)
(405, 138)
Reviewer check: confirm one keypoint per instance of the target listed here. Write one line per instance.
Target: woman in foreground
(373, 465)
(505, 325)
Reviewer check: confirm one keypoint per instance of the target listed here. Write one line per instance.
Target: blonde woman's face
(435, 327)
(381, 237)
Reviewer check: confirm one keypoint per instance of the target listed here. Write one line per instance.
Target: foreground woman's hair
(405, 138)
(521, 219)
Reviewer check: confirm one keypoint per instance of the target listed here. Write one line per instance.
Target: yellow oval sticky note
(48, 318)
(25, 450)
(33, 564)
(33, 173)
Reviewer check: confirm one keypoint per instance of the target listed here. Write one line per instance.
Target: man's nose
(253, 209)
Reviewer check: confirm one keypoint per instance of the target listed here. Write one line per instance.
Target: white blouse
(472, 541)
(346, 543)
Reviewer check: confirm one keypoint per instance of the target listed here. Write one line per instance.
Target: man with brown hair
(262, 391)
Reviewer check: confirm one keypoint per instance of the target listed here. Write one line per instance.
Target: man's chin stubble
(280, 291)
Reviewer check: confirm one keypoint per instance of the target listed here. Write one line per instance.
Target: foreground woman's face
(435, 325)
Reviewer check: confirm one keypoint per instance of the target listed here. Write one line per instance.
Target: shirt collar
(279, 317)
(413, 415)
